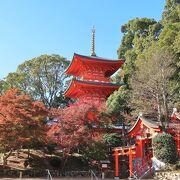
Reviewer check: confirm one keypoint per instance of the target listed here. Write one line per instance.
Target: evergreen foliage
(113, 140)
(55, 162)
(165, 148)
(95, 151)
(143, 39)
(117, 103)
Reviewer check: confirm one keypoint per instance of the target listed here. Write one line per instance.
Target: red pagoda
(92, 76)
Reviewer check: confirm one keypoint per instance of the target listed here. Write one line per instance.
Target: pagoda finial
(93, 42)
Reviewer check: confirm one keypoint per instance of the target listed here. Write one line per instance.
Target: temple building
(139, 149)
(92, 83)
(92, 76)
(93, 80)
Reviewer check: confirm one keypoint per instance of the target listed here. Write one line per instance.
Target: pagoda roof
(78, 61)
(76, 85)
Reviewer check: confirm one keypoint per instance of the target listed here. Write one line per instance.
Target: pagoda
(92, 76)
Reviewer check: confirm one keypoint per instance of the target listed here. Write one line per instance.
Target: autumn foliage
(21, 120)
(75, 124)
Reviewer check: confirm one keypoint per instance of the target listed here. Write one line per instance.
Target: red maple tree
(21, 121)
(75, 124)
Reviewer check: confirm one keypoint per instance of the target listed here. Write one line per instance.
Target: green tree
(139, 34)
(117, 103)
(140, 37)
(95, 151)
(118, 110)
(113, 140)
(165, 148)
(2, 86)
(42, 77)
(170, 39)
(170, 14)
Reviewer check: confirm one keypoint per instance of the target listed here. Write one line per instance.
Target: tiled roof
(96, 57)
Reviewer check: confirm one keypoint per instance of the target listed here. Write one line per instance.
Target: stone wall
(55, 173)
(167, 175)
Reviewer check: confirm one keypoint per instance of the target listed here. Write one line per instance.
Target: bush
(55, 162)
(73, 163)
(95, 151)
(165, 148)
(51, 147)
(178, 164)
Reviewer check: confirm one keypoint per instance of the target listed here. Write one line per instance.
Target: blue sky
(30, 28)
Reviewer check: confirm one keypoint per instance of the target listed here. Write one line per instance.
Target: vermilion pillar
(130, 163)
(116, 164)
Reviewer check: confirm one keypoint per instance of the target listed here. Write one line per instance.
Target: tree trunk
(166, 110)
(164, 96)
(159, 111)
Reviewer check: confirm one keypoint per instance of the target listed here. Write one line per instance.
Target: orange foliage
(21, 119)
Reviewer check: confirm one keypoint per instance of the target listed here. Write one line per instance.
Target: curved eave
(145, 122)
(76, 85)
(78, 60)
(68, 92)
(97, 58)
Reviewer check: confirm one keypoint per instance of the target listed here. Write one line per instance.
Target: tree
(150, 83)
(2, 86)
(117, 102)
(21, 121)
(165, 148)
(170, 39)
(142, 38)
(42, 78)
(117, 106)
(74, 125)
(139, 34)
(170, 14)
(95, 151)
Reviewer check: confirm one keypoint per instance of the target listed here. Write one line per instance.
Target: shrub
(178, 164)
(165, 148)
(95, 151)
(51, 147)
(75, 163)
(55, 162)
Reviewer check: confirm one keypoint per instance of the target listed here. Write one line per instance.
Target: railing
(134, 174)
(49, 177)
(93, 175)
(141, 171)
(145, 173)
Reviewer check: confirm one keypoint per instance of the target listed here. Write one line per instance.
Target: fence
(54, 173)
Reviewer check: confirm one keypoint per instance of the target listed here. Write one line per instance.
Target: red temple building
(92, 76)
(139, 148)
(92, 82)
